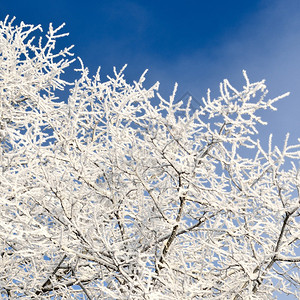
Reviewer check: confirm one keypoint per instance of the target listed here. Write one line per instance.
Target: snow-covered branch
(118, 193)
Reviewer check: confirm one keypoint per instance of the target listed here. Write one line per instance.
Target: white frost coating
(115, 195)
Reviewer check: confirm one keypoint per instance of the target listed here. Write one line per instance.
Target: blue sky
(194, 43)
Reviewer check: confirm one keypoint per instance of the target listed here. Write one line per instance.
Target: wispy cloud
(267, 45)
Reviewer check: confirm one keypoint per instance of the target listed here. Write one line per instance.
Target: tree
(118, 193)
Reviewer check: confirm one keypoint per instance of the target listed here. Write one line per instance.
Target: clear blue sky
(194, 43)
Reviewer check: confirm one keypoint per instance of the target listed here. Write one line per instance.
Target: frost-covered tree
(118, 193)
